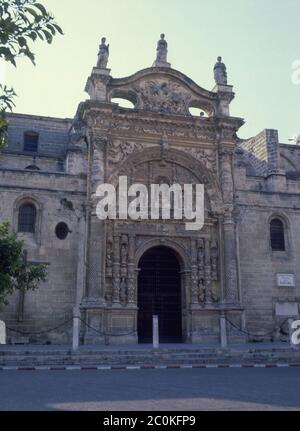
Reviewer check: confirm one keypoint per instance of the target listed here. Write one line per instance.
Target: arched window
(27, 218)
(277, 235)
(31, 142)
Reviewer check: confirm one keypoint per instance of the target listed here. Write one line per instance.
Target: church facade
(239, 275)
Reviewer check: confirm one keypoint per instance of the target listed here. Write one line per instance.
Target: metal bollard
(155, 332)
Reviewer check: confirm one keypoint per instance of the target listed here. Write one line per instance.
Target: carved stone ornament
(109, 258)
(163, 96)
(176, 127)
(207, 157)
(207, 253)
(119, 150)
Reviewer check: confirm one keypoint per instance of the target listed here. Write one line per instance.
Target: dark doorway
(159, 293)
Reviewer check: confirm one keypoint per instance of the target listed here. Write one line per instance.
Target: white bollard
(155, 332)
(223, 332)
(76, 329)
(2, 332)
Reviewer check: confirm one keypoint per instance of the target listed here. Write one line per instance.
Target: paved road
(178, 389)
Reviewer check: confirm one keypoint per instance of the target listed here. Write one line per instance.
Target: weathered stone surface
(227, 270)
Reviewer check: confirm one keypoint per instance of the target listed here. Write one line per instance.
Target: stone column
(187, 301)
(116, 271)
(230, 260)
(95, 260)
(207, 271)
(229, 232)
(226, 156)
(131, 281)
(98, 165)
(80, 281)
(194, 273)
(221, 255)
(96, 227)
(81, 266)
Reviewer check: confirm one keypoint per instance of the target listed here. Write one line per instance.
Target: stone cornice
(108, 121)
(131, 123)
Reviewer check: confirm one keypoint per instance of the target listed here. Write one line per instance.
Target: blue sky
(258, 40)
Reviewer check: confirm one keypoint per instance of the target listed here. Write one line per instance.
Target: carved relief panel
(162, 96)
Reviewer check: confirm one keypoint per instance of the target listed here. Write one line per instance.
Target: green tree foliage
(6, 102)
(21, 23)
(15, 272)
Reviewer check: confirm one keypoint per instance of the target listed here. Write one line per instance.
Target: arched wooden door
(159, 293)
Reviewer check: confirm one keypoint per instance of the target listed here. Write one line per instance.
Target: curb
(142, 367)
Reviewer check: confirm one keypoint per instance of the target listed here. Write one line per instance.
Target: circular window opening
(62, 231)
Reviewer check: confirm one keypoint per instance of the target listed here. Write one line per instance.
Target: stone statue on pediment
(103, 54)
(161, 53)
(220, 72)
(162, 49)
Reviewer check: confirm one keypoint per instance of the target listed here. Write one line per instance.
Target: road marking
(141, 367)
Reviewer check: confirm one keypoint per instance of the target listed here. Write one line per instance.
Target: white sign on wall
(286, 309)
(285, 280)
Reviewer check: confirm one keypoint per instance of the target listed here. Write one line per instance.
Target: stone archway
(139, 165)
(160, 292)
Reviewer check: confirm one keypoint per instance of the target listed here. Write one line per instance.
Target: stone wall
(22, 161)
(53, 133)
(290, 160)
(258, 264)
(262, 151)
(58, 198)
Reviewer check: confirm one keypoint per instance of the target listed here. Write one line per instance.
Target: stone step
(41, 357)
(189, 352)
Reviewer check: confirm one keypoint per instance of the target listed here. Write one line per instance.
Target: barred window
(31, 142)
(27, 218)
(277, 235)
